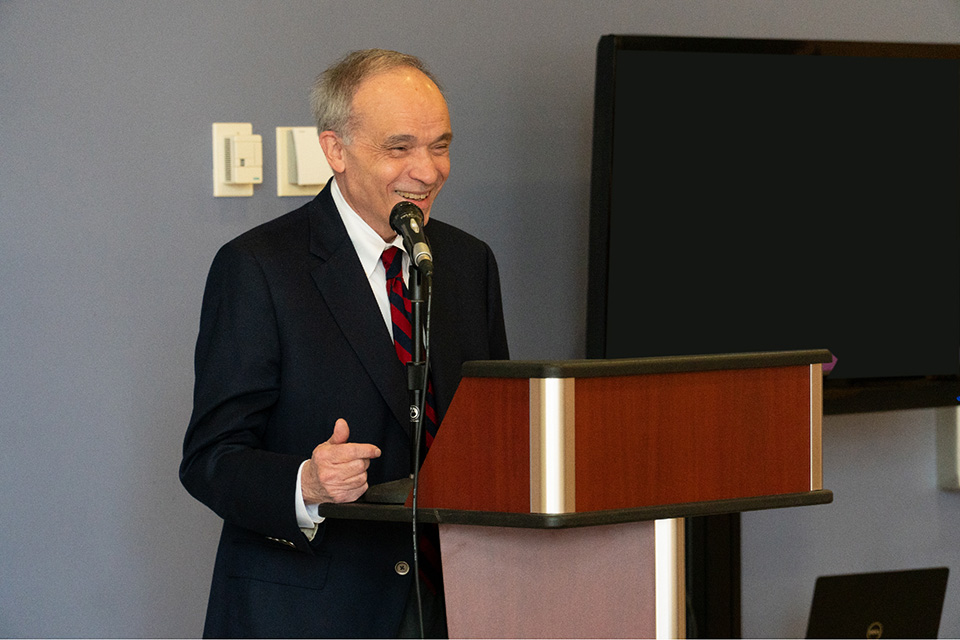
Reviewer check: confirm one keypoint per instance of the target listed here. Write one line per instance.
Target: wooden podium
(559, 487)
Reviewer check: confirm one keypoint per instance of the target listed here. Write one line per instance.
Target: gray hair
(331, 97)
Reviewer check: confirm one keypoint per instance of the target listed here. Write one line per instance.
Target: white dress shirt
(369, 246)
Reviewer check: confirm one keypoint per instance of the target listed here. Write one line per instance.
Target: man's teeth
(411, 196)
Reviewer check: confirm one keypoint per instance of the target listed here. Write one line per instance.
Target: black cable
(418, 435)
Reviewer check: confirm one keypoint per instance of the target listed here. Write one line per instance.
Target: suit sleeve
(495, 323)
(237, 365)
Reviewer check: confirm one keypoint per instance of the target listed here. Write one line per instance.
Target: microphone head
(406, 210)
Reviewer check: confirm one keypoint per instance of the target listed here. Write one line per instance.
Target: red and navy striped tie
(401, 316)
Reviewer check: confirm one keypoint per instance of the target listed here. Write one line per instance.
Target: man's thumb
(341, 432)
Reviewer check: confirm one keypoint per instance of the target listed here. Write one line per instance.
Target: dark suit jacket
(290, 340)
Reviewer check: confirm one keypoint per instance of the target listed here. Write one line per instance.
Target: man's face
(399, 147)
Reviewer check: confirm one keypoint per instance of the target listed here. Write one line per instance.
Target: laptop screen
(886, 604)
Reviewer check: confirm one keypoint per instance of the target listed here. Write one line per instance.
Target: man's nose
(427, 167)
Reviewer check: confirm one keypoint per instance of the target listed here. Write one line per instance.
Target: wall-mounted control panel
(237, 159)
(302, 169)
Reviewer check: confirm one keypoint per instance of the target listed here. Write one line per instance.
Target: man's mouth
(412, 196)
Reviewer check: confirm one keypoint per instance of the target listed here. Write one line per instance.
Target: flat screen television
(768, 195)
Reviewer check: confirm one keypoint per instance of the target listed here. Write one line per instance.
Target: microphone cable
(418, 436)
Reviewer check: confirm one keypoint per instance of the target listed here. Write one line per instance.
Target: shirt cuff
(308, 515)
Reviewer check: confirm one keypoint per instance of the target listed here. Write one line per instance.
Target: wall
(107, 227)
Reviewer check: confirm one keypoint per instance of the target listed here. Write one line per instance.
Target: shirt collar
(367, 242)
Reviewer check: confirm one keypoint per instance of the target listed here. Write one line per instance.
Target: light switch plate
(222, 131)
(284, 186)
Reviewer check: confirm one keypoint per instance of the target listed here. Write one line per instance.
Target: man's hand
(337, 469)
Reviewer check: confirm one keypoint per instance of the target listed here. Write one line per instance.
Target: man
(300, 397)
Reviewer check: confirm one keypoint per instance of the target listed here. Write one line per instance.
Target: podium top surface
(640, 366)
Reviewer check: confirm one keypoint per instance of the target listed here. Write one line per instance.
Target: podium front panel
(668, 436)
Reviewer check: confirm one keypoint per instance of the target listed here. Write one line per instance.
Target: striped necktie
(401, 317)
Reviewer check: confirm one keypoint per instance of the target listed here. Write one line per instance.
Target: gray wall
(108, 225)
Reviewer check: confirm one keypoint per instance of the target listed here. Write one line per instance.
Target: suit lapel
(345, 289)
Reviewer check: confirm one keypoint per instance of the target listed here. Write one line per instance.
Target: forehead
(400, 101)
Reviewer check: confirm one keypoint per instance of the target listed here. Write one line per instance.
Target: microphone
(406, 219)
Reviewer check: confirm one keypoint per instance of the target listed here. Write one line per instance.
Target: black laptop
(885, 604)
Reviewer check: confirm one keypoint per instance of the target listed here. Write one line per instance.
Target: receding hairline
(333, 93)
(357, 115)
(399, 70)
(363, 63)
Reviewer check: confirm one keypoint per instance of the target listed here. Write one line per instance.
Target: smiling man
(300, 397)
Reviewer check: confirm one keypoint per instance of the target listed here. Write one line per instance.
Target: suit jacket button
(402, 568)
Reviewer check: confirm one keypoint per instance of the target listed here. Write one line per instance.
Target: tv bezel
(848, 395)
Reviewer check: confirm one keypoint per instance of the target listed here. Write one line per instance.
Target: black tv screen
(767, 195)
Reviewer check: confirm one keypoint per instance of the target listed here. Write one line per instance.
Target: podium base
(593, 582)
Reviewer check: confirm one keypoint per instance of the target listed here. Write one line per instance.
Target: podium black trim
(640, 366)
(400, 513)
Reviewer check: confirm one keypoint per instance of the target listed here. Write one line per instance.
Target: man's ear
(332, 147)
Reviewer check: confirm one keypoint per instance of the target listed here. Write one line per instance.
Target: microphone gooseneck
(406, 219)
